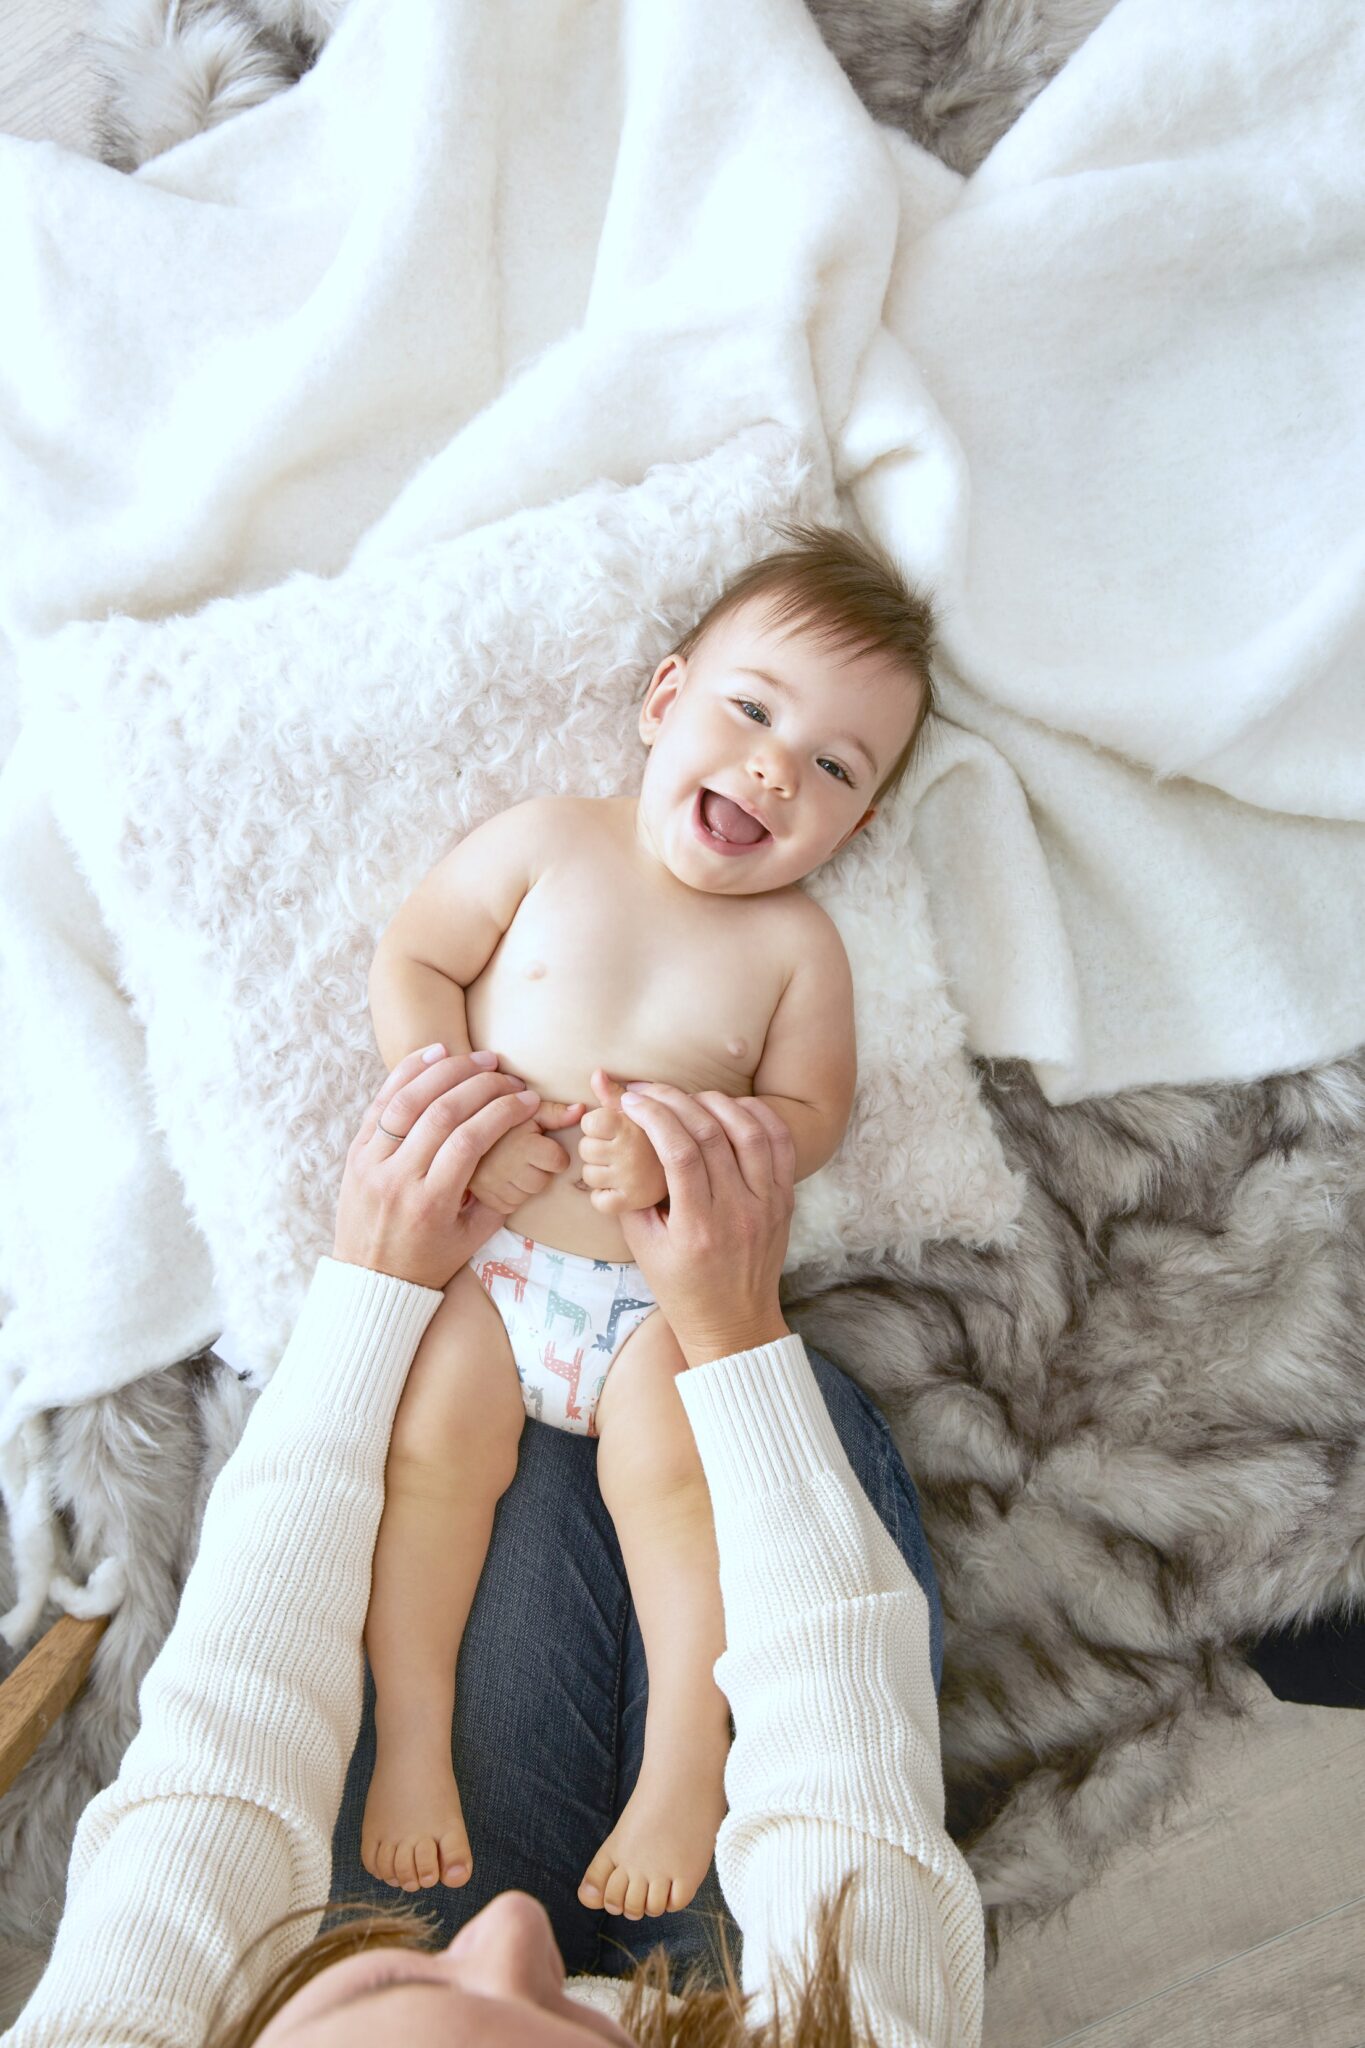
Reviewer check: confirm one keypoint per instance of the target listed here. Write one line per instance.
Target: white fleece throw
(408, 416)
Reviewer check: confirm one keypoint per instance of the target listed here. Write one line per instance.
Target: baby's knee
(661, 1467)
(469, 1444)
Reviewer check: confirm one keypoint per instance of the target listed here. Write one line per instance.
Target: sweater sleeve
(220, 1818)
(835, 1766)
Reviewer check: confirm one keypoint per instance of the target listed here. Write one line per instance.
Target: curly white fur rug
(254, 788)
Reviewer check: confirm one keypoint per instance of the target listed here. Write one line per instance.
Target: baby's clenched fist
(620, 1168)
(525, 1161)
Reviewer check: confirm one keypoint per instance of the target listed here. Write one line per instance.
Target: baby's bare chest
(596, 971)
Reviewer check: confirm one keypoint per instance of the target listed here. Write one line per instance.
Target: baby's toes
(426, 1860)
(637, 1892)
(591, 1890)
(657, 1901)
(454, 1860)
(614, 1892)
(405, 1866)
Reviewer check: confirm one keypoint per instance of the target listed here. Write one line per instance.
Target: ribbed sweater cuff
(355, 1329)
(759, 1420)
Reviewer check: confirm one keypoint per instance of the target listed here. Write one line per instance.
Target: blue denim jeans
(551, 1691)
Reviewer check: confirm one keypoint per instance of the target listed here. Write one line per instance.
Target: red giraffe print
(568, 1370)
(518, 1271)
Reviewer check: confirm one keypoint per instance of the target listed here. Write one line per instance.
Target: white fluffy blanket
(458, 376)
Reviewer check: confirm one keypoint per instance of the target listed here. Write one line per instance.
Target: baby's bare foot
(413, 1833)
(661, 1848)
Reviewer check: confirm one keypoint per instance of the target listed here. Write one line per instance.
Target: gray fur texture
(1138, 1435)
(172, 68)
(1139, 1438)
(134, 1470)
(954, 74)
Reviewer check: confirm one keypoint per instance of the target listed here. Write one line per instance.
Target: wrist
(721, 1340)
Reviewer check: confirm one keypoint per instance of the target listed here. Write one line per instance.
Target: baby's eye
(749, 708)
(835, 768)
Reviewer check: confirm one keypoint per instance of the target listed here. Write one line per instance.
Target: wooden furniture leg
(39, 1690)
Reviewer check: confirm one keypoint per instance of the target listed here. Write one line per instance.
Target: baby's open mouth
(724, 824)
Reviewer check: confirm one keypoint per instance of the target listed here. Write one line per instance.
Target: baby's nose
(773, 769)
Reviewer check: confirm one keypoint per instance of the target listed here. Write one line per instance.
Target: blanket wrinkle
(479, 265)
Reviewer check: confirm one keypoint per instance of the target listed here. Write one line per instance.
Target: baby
(588, 940)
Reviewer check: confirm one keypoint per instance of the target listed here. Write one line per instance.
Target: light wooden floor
(1243, 1926)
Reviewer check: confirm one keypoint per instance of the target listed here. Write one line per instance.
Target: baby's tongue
(728, 820)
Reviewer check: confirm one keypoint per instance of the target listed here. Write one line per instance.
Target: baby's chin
(737, 877)
(761, 873)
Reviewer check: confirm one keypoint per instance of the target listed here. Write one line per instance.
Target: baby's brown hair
(852, 595)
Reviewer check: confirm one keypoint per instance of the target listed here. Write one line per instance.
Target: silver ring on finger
(397, 1136)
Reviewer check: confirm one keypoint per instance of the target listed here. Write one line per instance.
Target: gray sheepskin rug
(1138, 1434)
(1139, 1438)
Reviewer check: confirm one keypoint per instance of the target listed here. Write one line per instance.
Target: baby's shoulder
(544, 821)
(534, 811)
(805, 933)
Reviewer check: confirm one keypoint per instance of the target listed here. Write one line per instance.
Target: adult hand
(714, 1261)
(404, 1208)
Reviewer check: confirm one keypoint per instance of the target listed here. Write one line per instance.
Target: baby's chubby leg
(452, 1456)
(652, 1481)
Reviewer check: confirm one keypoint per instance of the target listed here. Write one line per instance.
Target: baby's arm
(809, 1064)
(439, 942)
(448, 929)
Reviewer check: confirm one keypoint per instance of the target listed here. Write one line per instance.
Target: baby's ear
(664, 685)
(866, 819)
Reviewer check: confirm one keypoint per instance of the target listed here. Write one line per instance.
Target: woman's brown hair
(815, 2012)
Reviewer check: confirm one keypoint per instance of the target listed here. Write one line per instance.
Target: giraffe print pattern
(566, 1318)
(622, 1306)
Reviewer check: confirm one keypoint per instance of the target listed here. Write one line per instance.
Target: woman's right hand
(714, 1261)
(405, 1206)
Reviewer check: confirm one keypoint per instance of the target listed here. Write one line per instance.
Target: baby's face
(766, 747)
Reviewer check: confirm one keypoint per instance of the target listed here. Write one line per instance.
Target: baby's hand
(621, 1169)
(525, 1161)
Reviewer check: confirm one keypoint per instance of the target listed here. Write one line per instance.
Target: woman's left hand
(404, 1206)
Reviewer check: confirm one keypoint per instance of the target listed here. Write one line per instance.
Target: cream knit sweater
(220, 1818)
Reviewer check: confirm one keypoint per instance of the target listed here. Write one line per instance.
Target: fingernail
(432, 1052)
(637, 1084)
(484, 1059)
(629, 1098)
(528, 1095)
